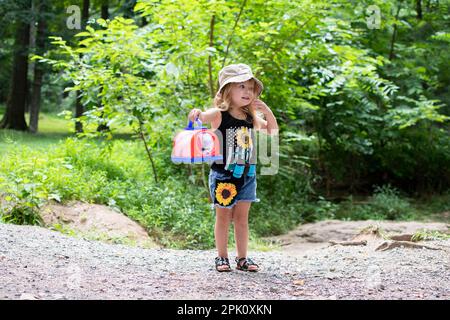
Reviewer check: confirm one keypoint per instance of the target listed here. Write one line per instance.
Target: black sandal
(220, 261)
(245, 266)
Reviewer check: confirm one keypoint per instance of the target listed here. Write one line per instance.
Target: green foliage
(81, 170)
(112, 67)
(385, 204)
(21, 200)
(435, 204)
(356, 107)
(63, 229)
(321, 209)
(423, 235)
(388, 203)
(349, 90)
(175, 211)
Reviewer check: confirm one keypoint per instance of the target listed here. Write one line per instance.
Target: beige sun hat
(237, 73)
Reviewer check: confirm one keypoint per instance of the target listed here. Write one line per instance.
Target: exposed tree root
(348, 243)
(388, 245)
(401, 237)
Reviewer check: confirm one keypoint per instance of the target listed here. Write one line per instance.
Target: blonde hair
(223, 101)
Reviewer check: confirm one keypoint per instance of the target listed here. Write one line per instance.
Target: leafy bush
(175, 210)
(21, 201)
(386, 203)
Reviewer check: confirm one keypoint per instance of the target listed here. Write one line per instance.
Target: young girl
(233, 181)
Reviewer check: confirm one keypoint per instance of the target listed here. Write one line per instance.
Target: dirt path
(37, 263)
(314, 236)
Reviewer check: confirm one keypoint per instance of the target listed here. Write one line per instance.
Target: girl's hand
(260, 106)
(194, 114)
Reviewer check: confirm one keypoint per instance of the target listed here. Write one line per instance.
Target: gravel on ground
(37, 263)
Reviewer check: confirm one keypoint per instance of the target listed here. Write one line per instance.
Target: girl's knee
(224, 215)
(240, 221)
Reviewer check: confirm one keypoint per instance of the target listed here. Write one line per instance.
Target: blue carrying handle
(191, 125)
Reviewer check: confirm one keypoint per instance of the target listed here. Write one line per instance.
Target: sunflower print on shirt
(243, 138)
(239, 146)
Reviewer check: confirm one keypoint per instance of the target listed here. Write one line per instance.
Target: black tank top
(240, 143)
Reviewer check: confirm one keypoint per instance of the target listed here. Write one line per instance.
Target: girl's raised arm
(206, 116)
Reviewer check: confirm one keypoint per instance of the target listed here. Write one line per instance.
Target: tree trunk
(79, 109)
(419, 9)
(38, 68)
(104, 10)
(129, 9)
(14, 117)
(32, 44)
(105, 15)
(211, 44)
(147, 149)
(232, 32)
(394, 34)
(85, 13)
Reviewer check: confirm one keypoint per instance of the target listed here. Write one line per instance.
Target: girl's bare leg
(223, 218)
(240, 218)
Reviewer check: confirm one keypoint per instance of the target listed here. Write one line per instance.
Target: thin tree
(394, 33)
(35, 105)
(14, 117)
(79, 109)
(104, 10)
(419, 9)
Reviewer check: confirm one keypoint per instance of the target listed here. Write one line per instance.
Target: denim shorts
(226, 191)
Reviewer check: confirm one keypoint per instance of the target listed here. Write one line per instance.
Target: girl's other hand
(260, 106)
(194, 114)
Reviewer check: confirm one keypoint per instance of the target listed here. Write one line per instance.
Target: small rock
(28, 296)
(298, 293)
(61, 256)
(299, 282)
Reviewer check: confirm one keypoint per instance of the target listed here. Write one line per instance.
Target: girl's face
(242, 93)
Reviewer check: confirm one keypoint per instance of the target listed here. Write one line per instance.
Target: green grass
(434, 208)
(429, 235)
(52, 130)
(387, 203)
